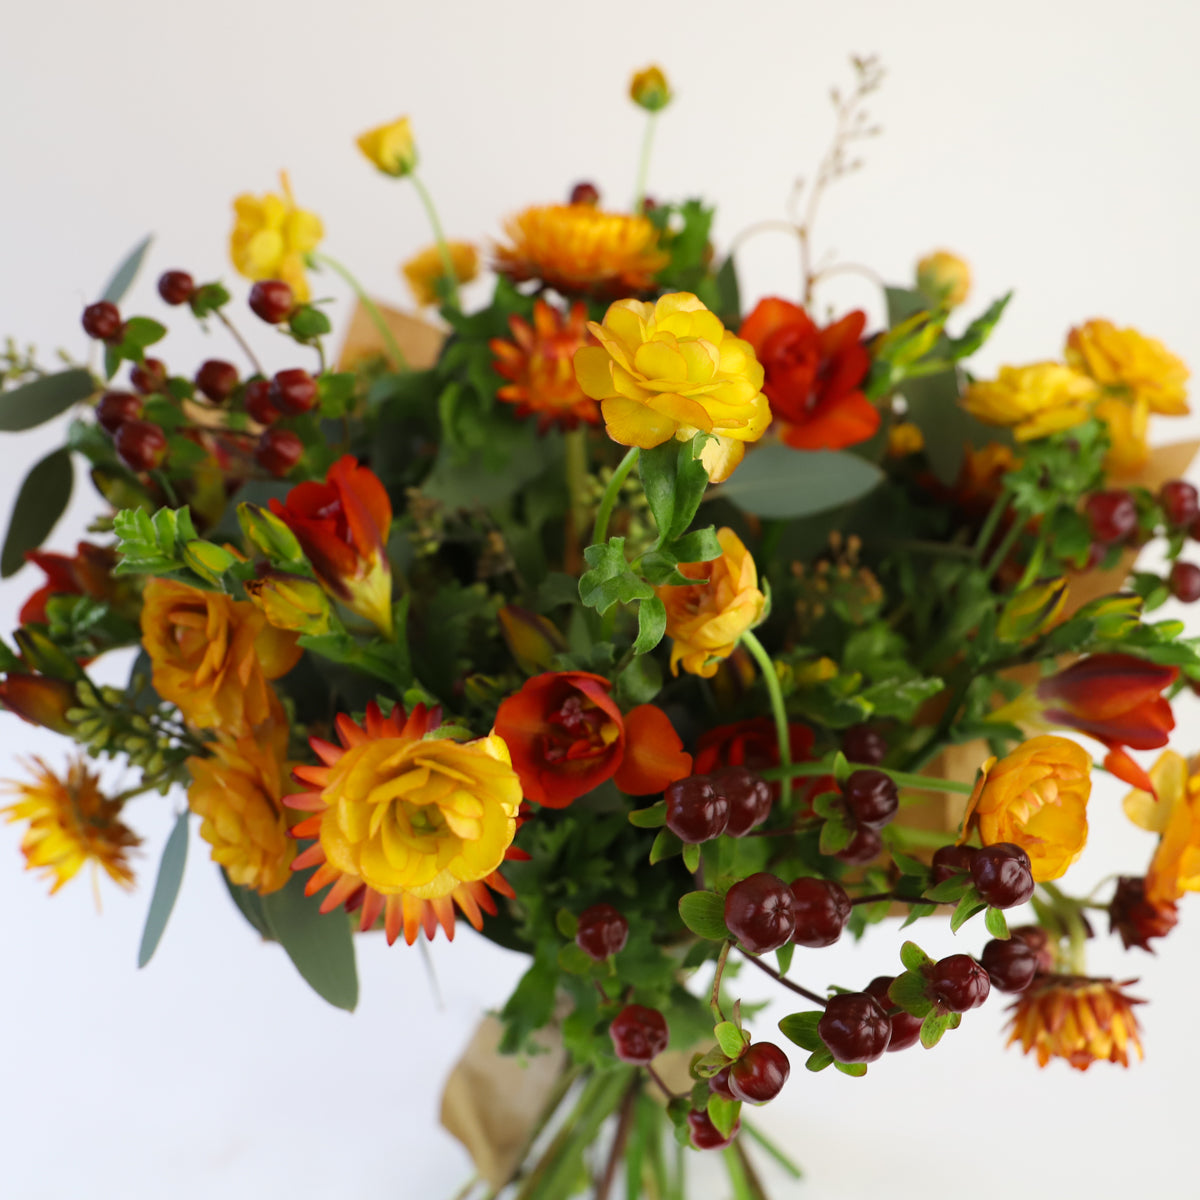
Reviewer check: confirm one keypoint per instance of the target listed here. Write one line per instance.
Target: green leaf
(124, 275)
(701, 545)
(610, 581)
(41, 501)
(308, 322)
(913, 957)
(691, 857)
(654, 817)
(319, 944)
(949, 891)
(730, 1038)
(730, 293)
(996, 925)
(777, 481)
(723, 1113)
(335, 392)
(936, 1024)
(248, 903)
(34, 403)
(801, 1028)
(968, 906)
(854, 1070)
(652, 624)
(141, 332)
(783, 956)
(666, 845)
(566, 922)
(704, 914)
(166, 888)
(836, 834)
(818, 1060)
(909, 992)
(574, 960)
(639, 682)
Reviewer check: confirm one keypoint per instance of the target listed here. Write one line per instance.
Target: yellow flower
(1077, 1019)
(292, 602)
(649, 89)
(238, 790)
(944, 278)
(391, 147)
(671, 369)
(212, 656)
(1034, 400)
(1125, 361)
(271, 236)
(70, 822)
(1175, 817)
(425, 271)
(706, 619)
(905, 438)
(1037, 798)
(577, 248)
(1127, 421)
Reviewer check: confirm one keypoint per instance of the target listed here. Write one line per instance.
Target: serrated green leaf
(730, 1038)
(652, 624)
(41, 501)
(779, 481)
(913, 957)
(996, 924)
(801, 1028)
(854, 1070)
(704, 914)
(43, 399)
(115, 289)
(166, 889)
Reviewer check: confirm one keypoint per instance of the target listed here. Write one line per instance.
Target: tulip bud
(39, 700)
(291, 602)
(649, 90)
(207, 559)
(269, 535)
(532, 640)
(391, 148)
(1032, 611)
(943, 278)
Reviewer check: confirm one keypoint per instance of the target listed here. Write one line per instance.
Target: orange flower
(1078, 1019)
(539, 363)
(567, 736)
(426, 272)
(71, 822)
(86, 573)
(1137, 918)
(1175, 817)
(39, 699)
(706, 618)
(1037, 798)
(212, 656)
(1125, 361)
(579, 249)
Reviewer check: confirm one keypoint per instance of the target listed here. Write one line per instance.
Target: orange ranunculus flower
(237, 790)
(944, 278)
(1128, 422)
(1037, 798)
(671, 370)
(271, 235)
(1077, 1019)
(342, 526)
(212, 656)
(1124, 361)
(567, 736)
(426, 272)
(1175, 817)
(1034, 400)
(539, 365)
(406, 826)
(813, 376)
(706, 618)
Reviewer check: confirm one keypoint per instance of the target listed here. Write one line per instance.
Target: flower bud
(649, 89)
(269, 535)
(905, 438)
(207, 559)
(391, 148)
(1032, 611)
(943, 278)
(39, 700)
(44, 656)
(290, 602)
(532, 640)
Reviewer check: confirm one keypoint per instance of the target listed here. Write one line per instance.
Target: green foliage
(43, 399)
(41, 501)
(996, 925)
(166, 888)
(776, 481)
(704, 914)
(126, 272)
(970, 904)
(801, 1028)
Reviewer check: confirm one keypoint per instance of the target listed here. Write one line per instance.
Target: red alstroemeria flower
(87, 573)
(813, 375)
(753, 744)
(342, 526)
(1117, 699)
(566, 736)
(39, 699)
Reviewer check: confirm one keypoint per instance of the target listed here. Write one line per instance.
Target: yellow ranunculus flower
(670, 370)
(1125, 360)
(1127, 422)
(212, 656)
(391, 147)
(706, 618)
(944, 278)
(1034, 400)
(271, 235)
(425, 270)
(237, 791)
(1175, 816)
(650, 90)
(1035, 797)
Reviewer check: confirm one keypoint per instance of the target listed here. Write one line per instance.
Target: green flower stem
(1035, 563)
(904, 779)
(439, 236)
(399, 361)
(609, 499)
(1002, 551)
(639, 191)
(775, 692)
(988, 529)
(791, 1167)
(575, 460)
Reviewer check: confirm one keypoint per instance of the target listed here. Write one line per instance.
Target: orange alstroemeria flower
(342, 526)
(813, 375)
(567, 736)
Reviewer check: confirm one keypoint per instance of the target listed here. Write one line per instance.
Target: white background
(1054, 145)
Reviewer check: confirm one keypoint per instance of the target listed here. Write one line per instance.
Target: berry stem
(439, 236)
(241, 341)
(399, 360)
(988, 529)
(639, 188)
(660, 1083)
(611, 492)
(714, 1001)
(775, 692)
(575, 460)
(1003, 549)
(904, 779)
(787, 983)
(773, 1150)
(620, 1138)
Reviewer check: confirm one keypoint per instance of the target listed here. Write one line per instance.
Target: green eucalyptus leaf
(166, 888)
(126, 273)
(34, 403)
(777, 481)
(41, 501)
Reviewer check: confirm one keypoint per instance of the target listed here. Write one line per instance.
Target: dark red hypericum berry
(1185, 582)
(272, 300)
(855, 1028)
(1180, 502)
(1113, 515)
(865, 846)
(758, 912)
(1011, 965)
(749, 797)
(639, 1034)
(148, 376)
(705, 1135)
(862, 744)
(1137, 919)
(821, 909)
(695, 812)
(906, 1028)
(719, 1083)
(115, 408)
(257, 399)
(958, 983)
(585, 193)
(278, 451)
(1002, 875)
(951, 860)
(293, 391)
(102, 321)
(602, 931)
(176, 287)
(759, 1074)
(872, 797)
(141, 445)
(1038, 940)
(216, 379)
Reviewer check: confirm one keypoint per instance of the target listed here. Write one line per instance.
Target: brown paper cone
(420, 340)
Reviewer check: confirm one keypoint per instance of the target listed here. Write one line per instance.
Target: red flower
(754, 744)
(566, 736)
(813, 375)
(88, 573)
(342, 526)
(39, 699)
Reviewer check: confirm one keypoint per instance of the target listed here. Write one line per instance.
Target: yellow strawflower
(271, 235)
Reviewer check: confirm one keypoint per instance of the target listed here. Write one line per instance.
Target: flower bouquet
(653, 632)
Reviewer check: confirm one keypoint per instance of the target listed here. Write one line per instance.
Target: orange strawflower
(579, 249)
(1078, 1019)
(71, 822)
(539, 363)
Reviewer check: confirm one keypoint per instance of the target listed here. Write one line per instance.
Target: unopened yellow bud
(649, 89)
(944, 278)
(291, 602)
(391, 148)
(269, 535)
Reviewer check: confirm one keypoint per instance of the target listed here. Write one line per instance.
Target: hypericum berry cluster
(758, 1074)
(759, 912)
(906, 1028)
(820, 910)
(602, 932)
(1001, 872)
(855, 1027)
(733, 800)
(1011, 965)
(639, 1034)
(957, 983)
(871, 799)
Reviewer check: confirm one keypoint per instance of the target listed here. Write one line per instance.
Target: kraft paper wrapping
(420, 340)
